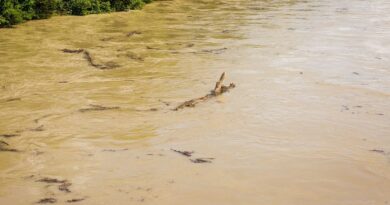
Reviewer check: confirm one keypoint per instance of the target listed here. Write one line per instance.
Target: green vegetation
(17, 11)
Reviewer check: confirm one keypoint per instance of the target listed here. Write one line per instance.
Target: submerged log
(218, 90)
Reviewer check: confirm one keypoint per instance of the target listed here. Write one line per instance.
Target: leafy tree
(44, 8)
(17, 11)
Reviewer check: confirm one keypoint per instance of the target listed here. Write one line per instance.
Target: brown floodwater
(308, 123)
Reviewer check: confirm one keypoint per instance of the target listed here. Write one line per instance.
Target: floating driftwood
(212, 51)
(51, 180)
(2, 143)
(218, 90)
(201, 160)
(9, 135)
(132, 33)
(98, 108)
(215, 51)
(204, 51)
(165, 102)
(4, 147)
(147, 110)
(107, 66)
(152, 48)
(184, 153)
(380, 151)
(12, 99)
(194, 160)
(75, 200)
(72, 51)
(114, 150)
(91, 61)
(47, 201)
(63, 185)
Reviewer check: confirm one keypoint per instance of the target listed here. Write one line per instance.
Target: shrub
(12, 16)
(137, 4)
(124, 5)
(16, 11)
(44, 8)
(3, 21)
(105, 6)
(80, 7)
(28, 8)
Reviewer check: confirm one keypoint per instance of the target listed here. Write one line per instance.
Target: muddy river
(308, 122)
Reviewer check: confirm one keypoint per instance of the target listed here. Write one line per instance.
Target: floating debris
(107, 39)
(75, 200)
(64, 187)
(147, 110)
(37, 129)
(107, 66)
(4, 147)
(12, 99)
(98, 108)
(218, 90)
(114, 150)
(132, 33)
(51, 180)
(213, 51)
(152, 48)
(202, 160)
(164, 102)
(344, 107)
(185, 153)
(378, 151)
(88, 57)
(47, 201)
(190, 45)
(43, 117)
(3, 143)
(9, 135)
(72, 51)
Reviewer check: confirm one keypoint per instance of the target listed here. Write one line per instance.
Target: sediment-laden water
(308, 122)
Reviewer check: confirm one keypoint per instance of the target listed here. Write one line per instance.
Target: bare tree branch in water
(218, 90)
(91, 61)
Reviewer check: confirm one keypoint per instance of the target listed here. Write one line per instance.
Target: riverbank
(15, 12)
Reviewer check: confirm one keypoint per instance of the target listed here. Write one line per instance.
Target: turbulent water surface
(308, 123)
